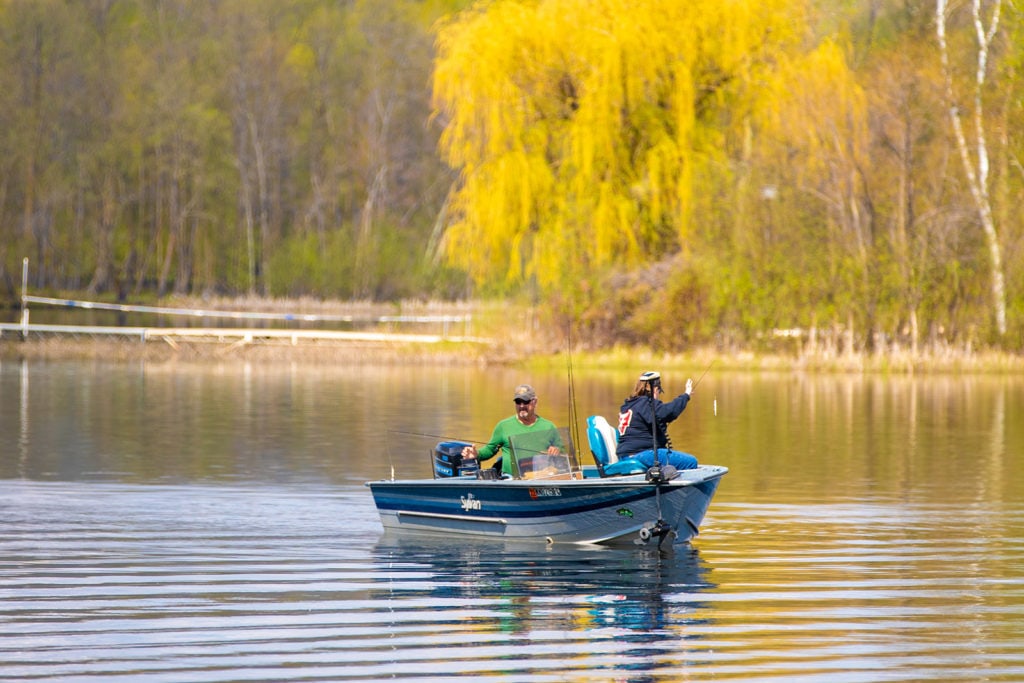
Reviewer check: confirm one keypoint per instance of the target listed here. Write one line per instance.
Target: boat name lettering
(540, 493)
(471, 503)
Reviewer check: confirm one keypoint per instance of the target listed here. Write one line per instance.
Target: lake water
(208, 522)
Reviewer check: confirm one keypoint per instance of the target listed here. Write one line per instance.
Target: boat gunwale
(710, 472)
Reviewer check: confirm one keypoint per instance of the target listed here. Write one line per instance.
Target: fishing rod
(436, 436)
(715, 402)
(573, 416)
(704, 373)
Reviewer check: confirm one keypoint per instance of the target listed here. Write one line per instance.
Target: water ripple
(104, 582)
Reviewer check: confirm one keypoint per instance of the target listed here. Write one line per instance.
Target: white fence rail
(234, 335)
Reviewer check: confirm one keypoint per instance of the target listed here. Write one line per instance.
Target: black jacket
(635, 417)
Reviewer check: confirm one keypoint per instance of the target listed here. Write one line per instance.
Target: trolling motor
(659, 530)
(654, 473)
(657, 474)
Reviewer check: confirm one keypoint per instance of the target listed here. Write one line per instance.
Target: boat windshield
(545, 454)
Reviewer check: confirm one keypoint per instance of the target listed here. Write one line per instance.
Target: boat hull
(611, 511)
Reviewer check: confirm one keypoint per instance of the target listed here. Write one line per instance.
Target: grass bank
(750, 361)
(506, 333)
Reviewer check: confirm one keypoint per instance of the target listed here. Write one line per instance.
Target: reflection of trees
(866, 435)
(635, 596)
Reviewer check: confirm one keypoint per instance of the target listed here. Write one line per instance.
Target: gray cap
(525, 392)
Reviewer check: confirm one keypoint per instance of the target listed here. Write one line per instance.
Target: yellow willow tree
(577, 126)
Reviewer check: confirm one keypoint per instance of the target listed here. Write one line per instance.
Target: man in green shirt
(543, 433)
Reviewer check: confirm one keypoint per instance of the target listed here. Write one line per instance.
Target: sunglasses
(523, 401)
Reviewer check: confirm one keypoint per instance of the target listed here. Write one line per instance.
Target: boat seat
(604, 441)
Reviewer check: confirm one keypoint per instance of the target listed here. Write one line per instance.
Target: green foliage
(663, 306)
(393, 268)
(181, 145)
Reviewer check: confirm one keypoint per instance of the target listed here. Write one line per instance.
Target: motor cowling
(448, 461)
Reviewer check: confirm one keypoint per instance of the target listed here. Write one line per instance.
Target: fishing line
(387, 449)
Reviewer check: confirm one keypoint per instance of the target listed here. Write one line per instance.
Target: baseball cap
(524, 392)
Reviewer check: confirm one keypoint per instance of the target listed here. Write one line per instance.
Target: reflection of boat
(512, 587)
(557, 501)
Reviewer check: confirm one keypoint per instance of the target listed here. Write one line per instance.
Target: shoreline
(505, 354)
(349, 353)
(510, 334)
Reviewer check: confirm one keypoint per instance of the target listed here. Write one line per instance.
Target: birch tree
(985, 23)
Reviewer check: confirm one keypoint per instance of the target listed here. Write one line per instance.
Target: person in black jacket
(643, 420)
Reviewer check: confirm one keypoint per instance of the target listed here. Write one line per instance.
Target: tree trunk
(977, 169)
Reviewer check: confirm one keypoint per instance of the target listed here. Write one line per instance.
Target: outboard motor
(448, 461)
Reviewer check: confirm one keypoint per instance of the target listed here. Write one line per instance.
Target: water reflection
(209, 522)
(628, 605)
(785, 436)
(23, 419)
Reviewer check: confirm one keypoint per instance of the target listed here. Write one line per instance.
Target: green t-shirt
(544, 429)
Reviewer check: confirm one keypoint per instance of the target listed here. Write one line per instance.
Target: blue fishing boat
(550, 498)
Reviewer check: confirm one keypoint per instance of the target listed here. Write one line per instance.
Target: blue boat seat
(604, 440)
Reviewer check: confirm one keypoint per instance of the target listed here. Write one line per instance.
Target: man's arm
(491, 448)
